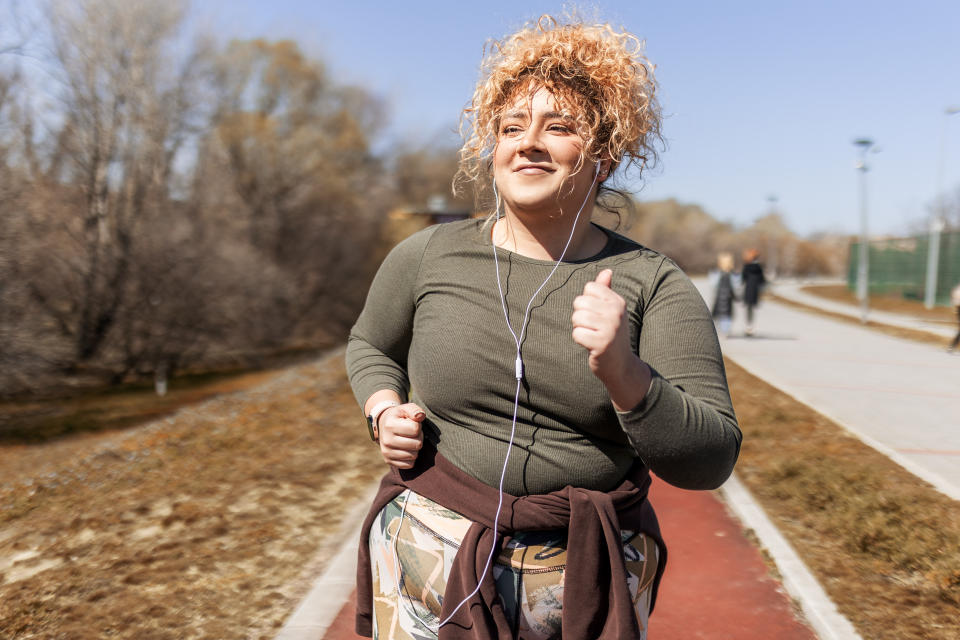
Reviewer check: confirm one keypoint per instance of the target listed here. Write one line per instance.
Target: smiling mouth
(532, 169)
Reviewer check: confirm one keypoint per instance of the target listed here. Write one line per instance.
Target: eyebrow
(520, 115)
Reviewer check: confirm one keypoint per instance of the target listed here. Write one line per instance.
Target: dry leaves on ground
(196, 526)
(884, 544)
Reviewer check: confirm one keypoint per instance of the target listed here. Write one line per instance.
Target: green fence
(899, 265)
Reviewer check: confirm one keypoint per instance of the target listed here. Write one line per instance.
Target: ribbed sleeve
(377, 349)
(685, 429)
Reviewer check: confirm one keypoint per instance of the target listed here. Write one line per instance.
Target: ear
(604, 169)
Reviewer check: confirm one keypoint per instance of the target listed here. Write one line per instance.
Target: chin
(535, 198)
(534, 204)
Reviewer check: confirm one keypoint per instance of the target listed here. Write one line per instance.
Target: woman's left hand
(600, 326)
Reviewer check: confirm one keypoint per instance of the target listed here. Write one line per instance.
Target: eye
(510, 130)
(558, 127)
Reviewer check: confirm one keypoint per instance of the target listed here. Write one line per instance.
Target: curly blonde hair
(597, 71)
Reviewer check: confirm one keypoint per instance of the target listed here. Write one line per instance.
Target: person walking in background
(505, 376)
(955, 301)
(725, 294)
(753, 282)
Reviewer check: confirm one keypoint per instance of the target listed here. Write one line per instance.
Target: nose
(530, 141)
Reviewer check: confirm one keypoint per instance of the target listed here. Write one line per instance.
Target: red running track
(716, 586)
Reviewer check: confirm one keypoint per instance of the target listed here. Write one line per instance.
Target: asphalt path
(900, 396)
(717, 585)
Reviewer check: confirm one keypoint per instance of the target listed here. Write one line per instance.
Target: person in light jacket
(725, 283)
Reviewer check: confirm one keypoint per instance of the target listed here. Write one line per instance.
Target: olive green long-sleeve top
(433, 327)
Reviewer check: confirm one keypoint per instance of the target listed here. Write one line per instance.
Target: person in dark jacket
(753, 283)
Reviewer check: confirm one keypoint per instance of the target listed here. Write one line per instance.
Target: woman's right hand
(401, 435)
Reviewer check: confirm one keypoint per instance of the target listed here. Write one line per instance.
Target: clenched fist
(600, 326)
(401, 436)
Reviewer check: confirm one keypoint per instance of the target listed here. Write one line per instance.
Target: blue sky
(761, 97)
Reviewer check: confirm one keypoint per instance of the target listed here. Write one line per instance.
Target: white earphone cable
(518, 373)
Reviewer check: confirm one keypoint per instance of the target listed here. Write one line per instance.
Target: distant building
(408, 220)
(436, 211)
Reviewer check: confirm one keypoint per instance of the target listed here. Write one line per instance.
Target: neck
(546, 239)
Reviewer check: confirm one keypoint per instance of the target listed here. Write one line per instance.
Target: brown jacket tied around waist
(595, 578)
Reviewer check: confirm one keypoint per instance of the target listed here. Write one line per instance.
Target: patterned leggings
(528, 572)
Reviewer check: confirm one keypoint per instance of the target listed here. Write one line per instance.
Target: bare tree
(420, 174)
(684, 232)
(126, 114)
(297, 151)
(693, 238)
(16, 363)
(143, 232)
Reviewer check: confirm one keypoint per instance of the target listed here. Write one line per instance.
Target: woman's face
(535, 160)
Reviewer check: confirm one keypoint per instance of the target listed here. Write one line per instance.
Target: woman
(553, 364)
(724, 293)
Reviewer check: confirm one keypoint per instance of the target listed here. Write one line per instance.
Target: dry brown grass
(890, 330)
(884, 544)
(892, 302)
(197, 526)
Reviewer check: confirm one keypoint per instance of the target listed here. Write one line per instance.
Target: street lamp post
(863, 268)
(773, 257)
(938, 222)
